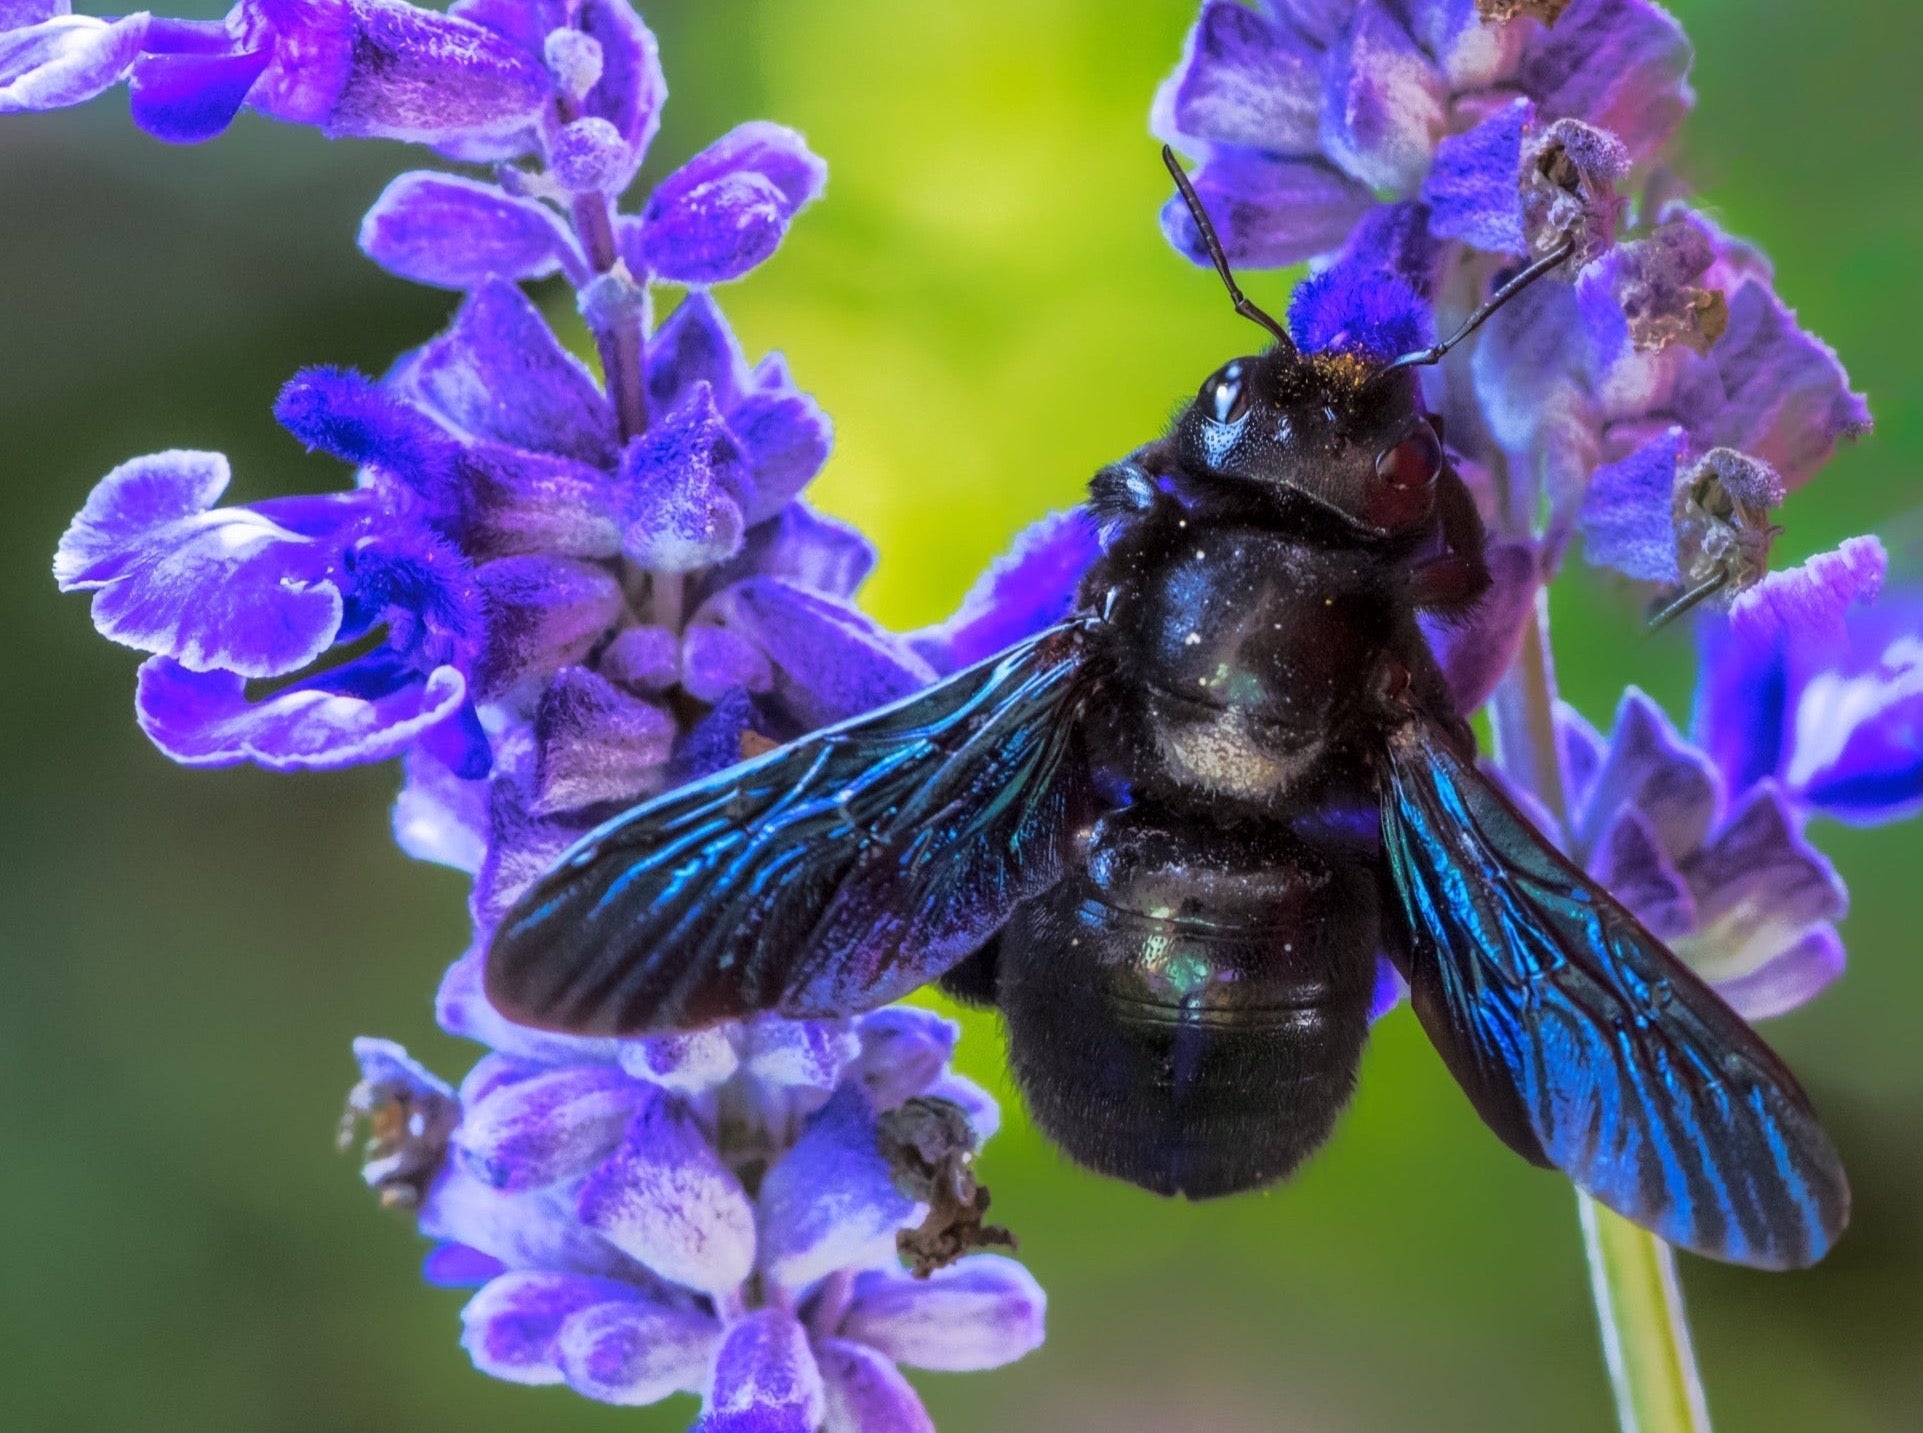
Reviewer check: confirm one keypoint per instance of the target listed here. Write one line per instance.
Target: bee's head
(1343, 424)
(1337, 427)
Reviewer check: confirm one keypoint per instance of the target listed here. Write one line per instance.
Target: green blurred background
(987, 309)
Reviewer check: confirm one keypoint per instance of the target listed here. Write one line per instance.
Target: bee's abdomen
(1188, 1011)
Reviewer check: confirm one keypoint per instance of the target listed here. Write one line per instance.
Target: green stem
(1645, 1329)
(1632, 1273)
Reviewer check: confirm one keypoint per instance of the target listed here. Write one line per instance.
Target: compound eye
(1225, 398)
(1412, 463)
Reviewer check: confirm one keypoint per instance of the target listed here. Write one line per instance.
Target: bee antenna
(1423, 357)
(1244, 305)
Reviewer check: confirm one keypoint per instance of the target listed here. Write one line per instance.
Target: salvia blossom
(551, 595)
(1654, 398)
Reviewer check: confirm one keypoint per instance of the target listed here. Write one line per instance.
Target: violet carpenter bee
(1168, 837)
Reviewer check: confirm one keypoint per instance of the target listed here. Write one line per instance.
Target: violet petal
(1023, 591)
(866, 1393)
(509, 1328)
(455, 232)
(636, 1352)
(546, 1129)
(205, 719)
(831, 1201)
(499, 372)
(765, 1379)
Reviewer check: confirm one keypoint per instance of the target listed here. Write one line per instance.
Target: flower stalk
(1632, 1273)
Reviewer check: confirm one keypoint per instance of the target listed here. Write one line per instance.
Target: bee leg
(1454, 580)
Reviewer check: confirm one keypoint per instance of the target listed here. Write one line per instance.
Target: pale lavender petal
(1809, 602)
(715, 661)
(866, 1393)
(1382, 102)
(1652, 770)
(687, 1064)
(831, 1201)
(510, 1327)
(438, 816)
(205, 719)
(765, 1379)
(537, 1229)
(1760, 888)
(499, 373)
(1245, 80)
(798, 1054)
(636, 1352)
(65, 60)
(1270, 211)
(1030, 587)
(807, 548)
(596, 743)
(549, 1128)
(456, 232)
(1789, 980)
(903, 1049)
(666, 1198)
(214, 588)
(982, 1312)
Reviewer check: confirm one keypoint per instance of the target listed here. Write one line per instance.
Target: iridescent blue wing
(1583, 1042)
(825, 877)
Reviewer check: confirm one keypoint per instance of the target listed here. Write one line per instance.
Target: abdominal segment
(1187, 1009)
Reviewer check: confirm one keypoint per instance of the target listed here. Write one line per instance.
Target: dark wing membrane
(1583, 1041)
(831, 875)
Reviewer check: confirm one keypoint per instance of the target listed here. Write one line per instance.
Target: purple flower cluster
(551, 595)
(1654, 398)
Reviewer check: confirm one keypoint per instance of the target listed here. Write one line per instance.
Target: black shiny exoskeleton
(1169, 838)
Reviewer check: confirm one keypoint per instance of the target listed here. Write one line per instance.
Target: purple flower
(1302, 114)
(553, 593)
(1715, 864)
(714, 1214)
